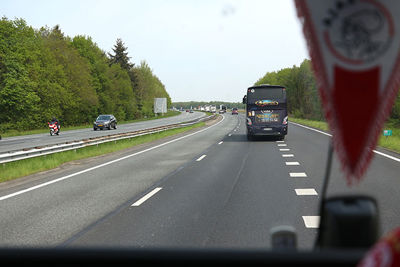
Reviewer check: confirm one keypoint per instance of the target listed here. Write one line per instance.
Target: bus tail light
(285, 120)
(249, 121)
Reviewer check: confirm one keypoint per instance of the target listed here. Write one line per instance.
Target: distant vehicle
(187, 110)
(266, 111)
(213, 109)
(235, 111)
(223, 108)
(221, 111)
(105, 122)
(191, 111)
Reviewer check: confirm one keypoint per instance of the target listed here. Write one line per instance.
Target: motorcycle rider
(54, 120)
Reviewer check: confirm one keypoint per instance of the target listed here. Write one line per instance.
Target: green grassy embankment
(391, 142)
(83, 126)
(25, 167)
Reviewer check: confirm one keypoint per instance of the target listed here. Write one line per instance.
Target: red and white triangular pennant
(354, 47)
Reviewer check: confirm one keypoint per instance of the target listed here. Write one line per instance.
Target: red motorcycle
(54, 129)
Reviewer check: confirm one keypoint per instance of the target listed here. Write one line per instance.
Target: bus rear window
(264, 94)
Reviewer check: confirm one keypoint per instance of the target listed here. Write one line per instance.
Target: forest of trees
(302, 92)
(44, 73)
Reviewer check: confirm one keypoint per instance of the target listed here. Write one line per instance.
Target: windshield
(103, 118)
(264, 94)
(185, 161)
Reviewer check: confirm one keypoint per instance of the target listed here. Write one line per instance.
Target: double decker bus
(266, 111)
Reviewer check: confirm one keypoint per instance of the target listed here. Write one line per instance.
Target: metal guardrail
(37, 151)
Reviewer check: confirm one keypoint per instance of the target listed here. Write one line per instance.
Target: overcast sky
(201, 50)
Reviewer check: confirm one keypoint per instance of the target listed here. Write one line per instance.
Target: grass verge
(391, 142)
(16, 169)
(83, 126)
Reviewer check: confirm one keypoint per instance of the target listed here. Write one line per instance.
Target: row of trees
(302, 92)
(194, 104)
(44, 73)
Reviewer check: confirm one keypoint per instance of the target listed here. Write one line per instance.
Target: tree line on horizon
(196, 104)
(45, 74)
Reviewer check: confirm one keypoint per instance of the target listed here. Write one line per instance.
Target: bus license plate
(267, 129)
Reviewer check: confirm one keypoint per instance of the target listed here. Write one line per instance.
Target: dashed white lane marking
(311, 221)
(280, 141)
(292, 163)
(146, 197)
(298, 174)
(220, 142)
(375, 151)
(306, 192)
(288, 155)
(105, 164)
(284, 149)
(202, 157)
(282, 144)
(229, 134)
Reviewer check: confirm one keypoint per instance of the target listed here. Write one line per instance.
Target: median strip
(37, 151)
(26, 167)
(98, 166)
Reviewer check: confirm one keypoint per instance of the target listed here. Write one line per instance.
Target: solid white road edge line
(311, 221)
(146, 197)
(104, 164)
(375, 151)
(306, 192)
(312, 129)
(298, 174)
(386, 155)
(202, 157)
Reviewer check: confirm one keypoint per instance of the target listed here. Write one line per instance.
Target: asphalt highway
(28, 141)
(209, 188)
